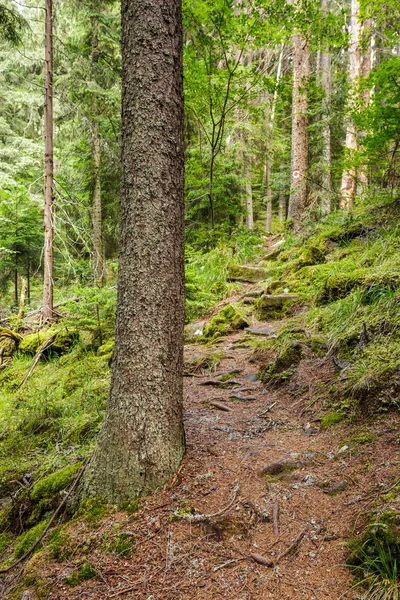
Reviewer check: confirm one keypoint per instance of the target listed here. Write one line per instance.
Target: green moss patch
(331, 418)
(56, 482)
(229, 319)
(84, 573)
(28, 538)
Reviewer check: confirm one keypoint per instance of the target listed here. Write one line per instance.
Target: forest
(199, 299)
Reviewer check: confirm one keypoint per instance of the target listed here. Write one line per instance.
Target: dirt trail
(180, 559)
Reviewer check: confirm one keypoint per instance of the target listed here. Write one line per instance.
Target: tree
(142, 440)
(47, 311)
(301, 73)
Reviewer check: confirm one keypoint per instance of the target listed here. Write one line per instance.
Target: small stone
(343, 450)
(26, 595)
(252, 377)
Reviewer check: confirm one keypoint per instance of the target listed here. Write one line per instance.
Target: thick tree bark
(348, 185)
(326, 84)
(142, 440)
(47, 311)
(97, 223)
(301, 73)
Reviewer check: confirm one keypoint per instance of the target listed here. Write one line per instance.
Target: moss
(275, 306)
(284, 366)
(380, 541)
(59, 544)
(340, 285)
(124, 544)
(245, 273)
(93, 510)
(63, 342)
(229, 319)
(312, 254)
(84, 573)
(180, 512)
(130, 506)
(331, 418)
(53, 484)
(106, 348)
(28, 538)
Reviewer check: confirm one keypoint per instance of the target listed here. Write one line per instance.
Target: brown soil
(180, 559)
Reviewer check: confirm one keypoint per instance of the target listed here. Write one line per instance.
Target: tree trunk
(348, 185)
(365, 67)
(98, 254)
(301, 73)
(282, 207)
(47, 311)
(326, 84)
(249, 193)
(142, 440)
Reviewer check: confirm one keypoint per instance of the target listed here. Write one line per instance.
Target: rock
(248, 300)
(337, 487)
(26, 595)
(274, 305)
(246, 274)
(229, 319)
(343, 450)
(283, 367)
(265, 331)
(252, 377)
(241, 397)
(193, 331)
(282, 466)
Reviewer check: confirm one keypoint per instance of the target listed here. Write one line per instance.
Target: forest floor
(332, 479)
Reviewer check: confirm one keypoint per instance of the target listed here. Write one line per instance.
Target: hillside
(291, 415)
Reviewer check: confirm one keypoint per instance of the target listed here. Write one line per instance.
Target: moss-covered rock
(273, 306)
(245, 273)
(9, 342)
(312, 254)
(193, 331)
(106, 348)
(230, 318)
(340, 285)
(53, 484)
(63, 342)
(283, 367)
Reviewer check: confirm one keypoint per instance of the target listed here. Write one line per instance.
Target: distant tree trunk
(47, 311)
(142, 440)
(301, 73)
(270, 126)
(326, 84)
(97, 222)
(365, 67)
(282, 207)
(16, 286)
(249, 193)
(348, 185)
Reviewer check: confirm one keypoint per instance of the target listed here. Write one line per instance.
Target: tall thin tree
(142, 440)
(47, 311)
(301, 73)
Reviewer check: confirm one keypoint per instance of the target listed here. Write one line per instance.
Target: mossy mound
(53, 484)
(7, 347)
(63, 342)
(28, 538)
(274, 306)
(229, 319)
(377, 549)
(106, 348)
(284, 365)
(312, 254)
(340, 285)
(246, 273)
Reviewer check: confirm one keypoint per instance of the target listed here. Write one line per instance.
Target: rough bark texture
(249, 194)
(326, 84)
(301, 73)
(142, 440)
(98, 254)
(348, 185)
(365, 68)
(47, 311)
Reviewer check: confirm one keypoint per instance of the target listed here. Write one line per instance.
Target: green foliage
(374, 558)
(85, 572)
(93, 510)
(27, 539)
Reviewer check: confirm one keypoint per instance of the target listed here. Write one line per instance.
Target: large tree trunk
(348, 185)
(98, 254)
(326, 84)
(47, 311)
(301, 73)
(142, 440)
